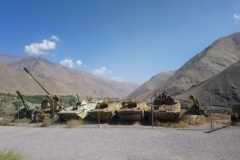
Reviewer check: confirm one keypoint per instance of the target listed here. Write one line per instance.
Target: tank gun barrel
(37, 82)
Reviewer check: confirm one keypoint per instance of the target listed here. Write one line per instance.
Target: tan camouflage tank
(131, 111)
(165, 108)
(105, 110)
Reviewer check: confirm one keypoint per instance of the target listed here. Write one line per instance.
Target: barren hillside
(212, 60)
(57, 79)
(223, 88)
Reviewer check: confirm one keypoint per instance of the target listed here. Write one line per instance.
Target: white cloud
(55, 38)
(67, 62)
(79, 63)
(38, 48)
(119, 78)
(237, 17)
(101, 71)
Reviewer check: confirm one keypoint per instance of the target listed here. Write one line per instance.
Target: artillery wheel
(176, 118)
(234, 117)
(19, 114)
(32, 114)
(36, 116)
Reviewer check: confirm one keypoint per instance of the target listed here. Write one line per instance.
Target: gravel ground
(117, 142)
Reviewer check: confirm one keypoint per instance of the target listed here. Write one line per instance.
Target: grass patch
(11, 155)
(46, 123)
(235, 124)
(181, 124)
(6, 123)
(22, 120)
(74, 123)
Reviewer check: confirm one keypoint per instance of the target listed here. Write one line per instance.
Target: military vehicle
(26, 111)
(131, 111)
(165, 108)
(196, 108)
(48, 107)
(105, 110)
(235, 116)
(79, 111)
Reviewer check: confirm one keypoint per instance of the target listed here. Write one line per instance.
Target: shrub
(74, 123)
(11, 155)
(46, 123)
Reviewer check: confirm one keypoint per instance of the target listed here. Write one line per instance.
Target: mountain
(57, 79)
(145, 90)
(222, 89)
(212, 60)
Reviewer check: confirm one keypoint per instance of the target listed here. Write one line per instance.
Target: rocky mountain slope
(222, 89)
(57, 79)
(212, 60)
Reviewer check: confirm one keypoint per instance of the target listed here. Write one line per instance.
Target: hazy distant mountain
(145, 90)
(223, 88)
(57, 79)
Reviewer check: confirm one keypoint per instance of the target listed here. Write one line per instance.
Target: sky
(122, 40)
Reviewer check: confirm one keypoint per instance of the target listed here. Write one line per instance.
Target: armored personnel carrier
(131, 111)
(105, 110)
(80, 111)
(165, 108)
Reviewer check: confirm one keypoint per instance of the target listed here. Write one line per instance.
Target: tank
(105, 110)
(80, 111)
(131, 111)
(165, 108)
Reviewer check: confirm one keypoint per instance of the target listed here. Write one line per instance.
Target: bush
(46, 123)
(6, 123)
(11, 155)
(74, 123)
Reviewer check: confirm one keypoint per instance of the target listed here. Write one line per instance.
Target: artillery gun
(165, 108)
(105, 110)
(196, 108)
(131, 111)
(48, 107)
(79, 111)
(27, 110)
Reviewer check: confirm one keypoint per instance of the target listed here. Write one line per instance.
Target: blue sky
(125, 40)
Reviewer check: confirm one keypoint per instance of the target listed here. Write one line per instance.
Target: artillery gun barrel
(20, 96)
(24, 104)
(37, 82)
